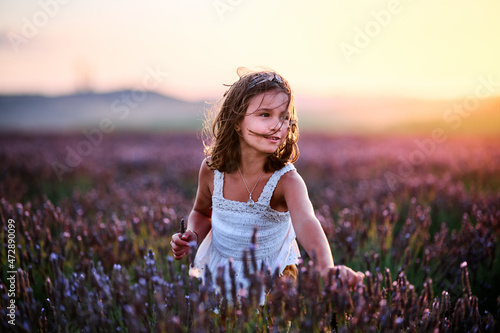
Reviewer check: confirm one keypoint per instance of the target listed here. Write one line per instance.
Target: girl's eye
(265, 114)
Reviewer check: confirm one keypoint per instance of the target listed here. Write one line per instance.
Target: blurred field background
(101, 108)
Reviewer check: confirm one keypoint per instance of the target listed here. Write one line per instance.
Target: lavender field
(92, 219)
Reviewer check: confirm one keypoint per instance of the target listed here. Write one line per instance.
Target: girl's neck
(252, 165)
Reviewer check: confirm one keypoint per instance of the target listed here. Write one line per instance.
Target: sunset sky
(435, 49)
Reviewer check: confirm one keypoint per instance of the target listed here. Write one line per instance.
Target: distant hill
(129, 110)
(125, 109)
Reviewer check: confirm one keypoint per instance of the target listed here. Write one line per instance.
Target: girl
(248, 180)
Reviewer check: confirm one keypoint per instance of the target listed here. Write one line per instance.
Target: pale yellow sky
(429, 48)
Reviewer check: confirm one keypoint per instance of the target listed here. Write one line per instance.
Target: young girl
(248, 180)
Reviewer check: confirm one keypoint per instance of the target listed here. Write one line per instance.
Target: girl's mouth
(272, 138)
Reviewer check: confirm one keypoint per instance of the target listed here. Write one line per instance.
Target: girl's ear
(237, 127)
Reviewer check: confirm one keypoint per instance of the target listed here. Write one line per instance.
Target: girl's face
(266, 122)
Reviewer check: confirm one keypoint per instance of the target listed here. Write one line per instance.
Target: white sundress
(233, 223)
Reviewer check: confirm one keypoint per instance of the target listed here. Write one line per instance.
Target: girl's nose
(277, 123)
(275, 128)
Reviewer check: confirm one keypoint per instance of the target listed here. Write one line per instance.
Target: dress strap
(267, 192)
(218, 183)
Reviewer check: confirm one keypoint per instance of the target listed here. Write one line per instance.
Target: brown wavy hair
(221, 140)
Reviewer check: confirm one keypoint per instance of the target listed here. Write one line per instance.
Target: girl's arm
(200, 218)
(308, 229)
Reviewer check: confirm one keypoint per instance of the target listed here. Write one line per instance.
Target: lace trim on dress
(262, 205)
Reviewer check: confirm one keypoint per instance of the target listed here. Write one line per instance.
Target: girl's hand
(180, 243)
(346, 274)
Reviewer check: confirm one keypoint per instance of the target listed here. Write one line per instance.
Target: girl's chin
(267, 150)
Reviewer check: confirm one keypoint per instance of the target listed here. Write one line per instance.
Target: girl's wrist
(194, 232)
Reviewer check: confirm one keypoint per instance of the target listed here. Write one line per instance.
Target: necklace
(250, 202)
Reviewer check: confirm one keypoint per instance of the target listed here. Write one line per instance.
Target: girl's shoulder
(205, 167)
(206, 175)
(290, 181)
(291, 177)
